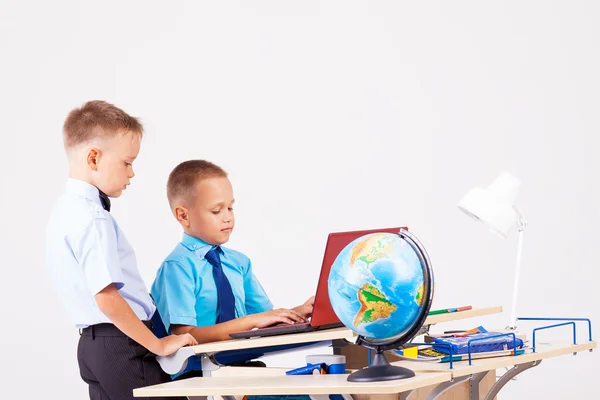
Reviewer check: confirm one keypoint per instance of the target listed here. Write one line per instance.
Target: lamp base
(380, 370)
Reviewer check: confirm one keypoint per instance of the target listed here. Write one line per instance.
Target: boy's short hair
(94, 119)
(184, 178)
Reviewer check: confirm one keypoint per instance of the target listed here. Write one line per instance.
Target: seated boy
(203, 288)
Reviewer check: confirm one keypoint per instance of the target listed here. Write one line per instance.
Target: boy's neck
(190, 234)
(80, 174)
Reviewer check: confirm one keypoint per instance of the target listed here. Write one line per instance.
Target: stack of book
(487, 345)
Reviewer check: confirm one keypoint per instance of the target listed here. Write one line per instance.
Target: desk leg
(511, 373)
(208, 365)
(326, 397)
(405, 395)
(474, 385)
(445, 386)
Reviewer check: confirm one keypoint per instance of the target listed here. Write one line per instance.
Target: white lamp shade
(494, 205)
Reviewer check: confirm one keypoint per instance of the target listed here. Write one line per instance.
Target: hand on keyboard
(284, 324)
(306, 308)
(279, 316)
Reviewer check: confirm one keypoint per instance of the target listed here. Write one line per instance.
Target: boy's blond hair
(96, 119)
(181, 186)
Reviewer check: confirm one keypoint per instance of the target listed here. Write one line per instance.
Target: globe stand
(380, 370)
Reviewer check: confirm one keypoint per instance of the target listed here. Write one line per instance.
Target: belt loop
(93, 333)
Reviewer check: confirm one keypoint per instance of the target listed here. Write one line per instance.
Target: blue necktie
(225, 301)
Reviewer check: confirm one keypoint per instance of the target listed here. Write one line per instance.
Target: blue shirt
(85, 252)
(185, 290)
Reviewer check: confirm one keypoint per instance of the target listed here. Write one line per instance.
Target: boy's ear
(181, 213)
(93, 157)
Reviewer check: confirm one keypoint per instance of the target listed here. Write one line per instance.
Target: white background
(329, 116)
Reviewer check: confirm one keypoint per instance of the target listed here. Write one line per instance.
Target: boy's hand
(170, 344)
(268, 318)
(114, 306)
(306, 309)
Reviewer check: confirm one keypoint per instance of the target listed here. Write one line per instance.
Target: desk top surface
(427, 373)
(293, 338)
(295, 384)
(327, 334)
(462, 368)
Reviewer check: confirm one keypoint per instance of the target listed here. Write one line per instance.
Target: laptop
(323, 316)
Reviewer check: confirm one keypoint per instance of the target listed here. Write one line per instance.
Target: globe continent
(376, 286)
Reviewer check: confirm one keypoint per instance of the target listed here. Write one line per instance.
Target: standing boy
(92, 264)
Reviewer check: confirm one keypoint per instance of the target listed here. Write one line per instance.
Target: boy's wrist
(250, 320)
(155, 346)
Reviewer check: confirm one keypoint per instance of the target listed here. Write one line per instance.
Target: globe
(381, 287)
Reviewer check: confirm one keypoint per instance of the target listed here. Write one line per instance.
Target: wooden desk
(427, 374)
(471, 377)
(259, 342)
(456, 316)
(296, 384)
(175, 363)
(462, 368)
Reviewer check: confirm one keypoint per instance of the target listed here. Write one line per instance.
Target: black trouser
(113, 365)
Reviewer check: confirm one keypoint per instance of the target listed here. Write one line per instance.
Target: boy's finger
(297, 318)
(298, 315)
(290, 315)
(192, 337)
(185, 339)
(293, 315)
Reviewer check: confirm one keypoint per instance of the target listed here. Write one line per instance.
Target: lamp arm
(513, 311)
(521, 225)
(521, 221)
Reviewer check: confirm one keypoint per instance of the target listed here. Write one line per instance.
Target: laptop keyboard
(283, 324)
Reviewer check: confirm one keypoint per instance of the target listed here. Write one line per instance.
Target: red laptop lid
(323, 313)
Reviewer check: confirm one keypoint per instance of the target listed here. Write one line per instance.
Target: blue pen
(306, 370)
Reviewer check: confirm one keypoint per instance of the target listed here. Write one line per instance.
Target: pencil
(450, 310)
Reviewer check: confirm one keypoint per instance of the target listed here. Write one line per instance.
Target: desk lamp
(494, 206)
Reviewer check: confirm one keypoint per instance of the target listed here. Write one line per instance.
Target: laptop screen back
(323, 313)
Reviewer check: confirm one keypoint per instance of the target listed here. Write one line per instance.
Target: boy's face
(211, 217)
(112, 167)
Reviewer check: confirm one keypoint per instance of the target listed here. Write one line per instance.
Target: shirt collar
(83, 189)
(198, 246)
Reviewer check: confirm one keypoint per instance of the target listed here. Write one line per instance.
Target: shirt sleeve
(257, 300)
(97, 253)
(173, 291)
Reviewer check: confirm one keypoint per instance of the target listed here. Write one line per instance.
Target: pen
(449, 310)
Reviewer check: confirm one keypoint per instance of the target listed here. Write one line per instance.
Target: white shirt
(87, 251)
